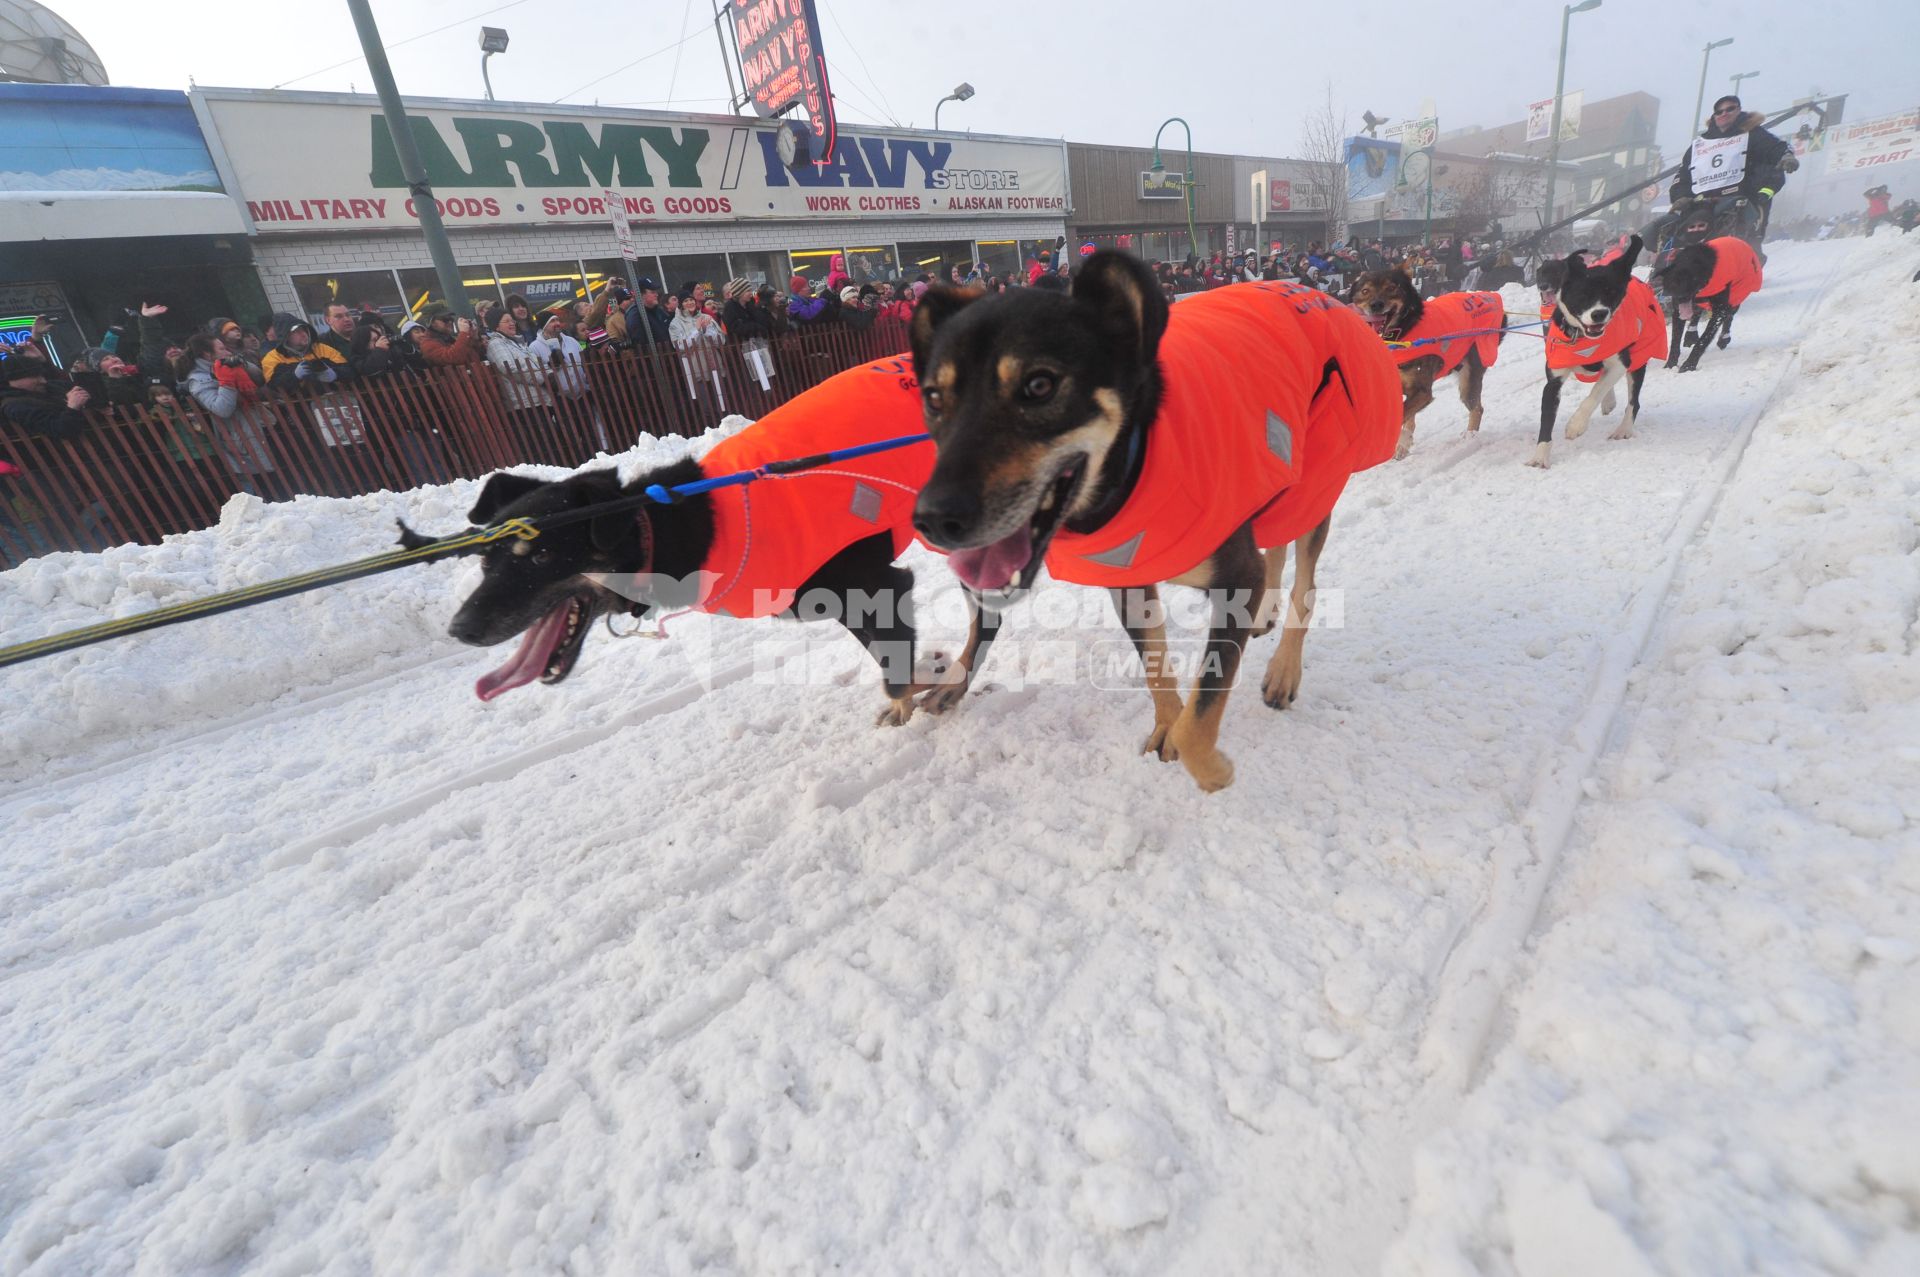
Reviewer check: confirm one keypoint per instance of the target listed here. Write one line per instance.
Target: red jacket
(1638, 327)
(1736, 267)
(1252, 424)
(1447, 315)
(799, 522)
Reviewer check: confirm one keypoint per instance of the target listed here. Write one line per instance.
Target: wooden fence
(139, 474)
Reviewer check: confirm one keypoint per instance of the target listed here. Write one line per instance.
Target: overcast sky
(1242, 74)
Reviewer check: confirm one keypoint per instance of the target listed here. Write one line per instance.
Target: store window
(1157, 246)
(1002, 256)
(761, 268)
(871, 262)
(936, 258)
(420, 288)
(695, 268)
(543, 284)
(356, 289)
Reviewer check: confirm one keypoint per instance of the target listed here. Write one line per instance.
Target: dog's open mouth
(1012, 562)
(547, 650)
(1378, 319)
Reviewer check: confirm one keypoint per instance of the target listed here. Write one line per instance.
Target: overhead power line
(394, 44)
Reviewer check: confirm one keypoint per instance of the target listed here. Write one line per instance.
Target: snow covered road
(312, 963)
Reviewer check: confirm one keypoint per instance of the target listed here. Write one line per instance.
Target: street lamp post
(1700, 97)
(492, 40)
(1186, 186)
(961, 92)
(1744, 75)
(1559, 88)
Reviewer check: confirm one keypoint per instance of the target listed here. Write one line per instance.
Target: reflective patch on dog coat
(1120, 556)
(865, 503)
(1279, 437)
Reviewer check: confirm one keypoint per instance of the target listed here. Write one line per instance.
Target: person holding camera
(218, 380)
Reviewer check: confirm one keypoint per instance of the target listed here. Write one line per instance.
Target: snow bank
(1711, 1065)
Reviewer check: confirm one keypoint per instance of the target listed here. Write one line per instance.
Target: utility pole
(1559, 88)
(408, 153)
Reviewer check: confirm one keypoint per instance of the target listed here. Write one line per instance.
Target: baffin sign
(781, 63)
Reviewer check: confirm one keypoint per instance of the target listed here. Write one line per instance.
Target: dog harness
(764, 551)
(1639, 327)
(1736, 270)
(1272, 396)
(1446, 315)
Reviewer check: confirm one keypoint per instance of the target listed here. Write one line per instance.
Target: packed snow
(1567, 924)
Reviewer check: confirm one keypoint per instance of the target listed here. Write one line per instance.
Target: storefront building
(523, 190)
(110, 198)
(1121, 202)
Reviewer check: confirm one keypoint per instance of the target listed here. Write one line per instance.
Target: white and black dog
(1605, 327)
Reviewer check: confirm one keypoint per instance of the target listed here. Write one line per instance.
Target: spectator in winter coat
(111, 381)
(742, 315)
(649, 323)
(523, 378)
(337, 335)
(220, 383)
(1879, 203)
(443, 340)
(803, 308)
(837, 277)
(299, 361)
(30, 403)
(234, 338)
(525, 326)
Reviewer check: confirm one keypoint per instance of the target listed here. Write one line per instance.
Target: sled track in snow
(1471, 984)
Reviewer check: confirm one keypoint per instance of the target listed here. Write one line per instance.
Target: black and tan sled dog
(819, 545)
(1453, 332)
(1125, 447)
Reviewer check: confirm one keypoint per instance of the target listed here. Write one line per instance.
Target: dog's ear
(1576, 262)
(1121, 288)
(502, 490)
(1405, 282)
(935, 307)
(1627, 258)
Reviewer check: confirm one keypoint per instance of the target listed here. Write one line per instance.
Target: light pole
(1744, 75)
(492, 40)
(961, 92)
(1186, 186)
(1559, 87)
(1700, 97)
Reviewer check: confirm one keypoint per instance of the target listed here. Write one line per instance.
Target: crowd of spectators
(235, 373)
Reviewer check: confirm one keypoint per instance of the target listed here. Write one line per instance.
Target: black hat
(17, 367)
(1726, 99)
(648, 286)
(435, 314)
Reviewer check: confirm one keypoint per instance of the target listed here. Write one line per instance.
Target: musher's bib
(1719, 163)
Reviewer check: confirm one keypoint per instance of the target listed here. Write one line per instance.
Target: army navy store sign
(492, 165)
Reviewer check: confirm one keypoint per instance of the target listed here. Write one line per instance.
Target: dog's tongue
(530, 659)
(990, 567)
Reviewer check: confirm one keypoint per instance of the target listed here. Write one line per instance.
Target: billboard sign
(497, 165)
(81, 161)
(1373, 167)
(1540, 117)
(783, 65)
(1871, 144)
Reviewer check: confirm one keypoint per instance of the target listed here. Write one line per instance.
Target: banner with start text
(305, 162)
